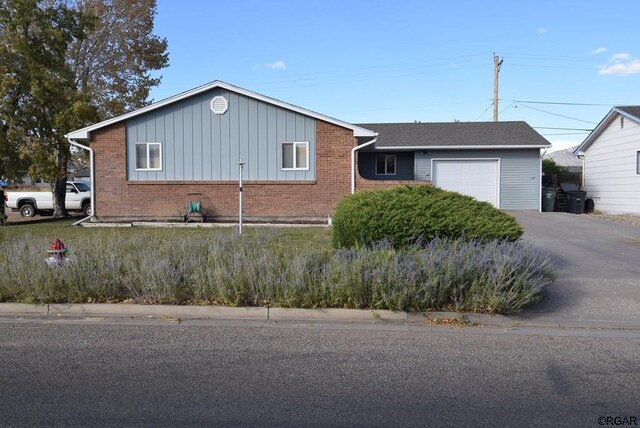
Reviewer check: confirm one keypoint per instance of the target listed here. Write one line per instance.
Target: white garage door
(477, 178)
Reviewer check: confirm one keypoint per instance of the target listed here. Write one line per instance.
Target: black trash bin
(589, 205)
(575, 197)
(548, 199)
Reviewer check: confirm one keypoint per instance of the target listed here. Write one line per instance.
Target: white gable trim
(604, 123)
(464, 147)
(83, 134)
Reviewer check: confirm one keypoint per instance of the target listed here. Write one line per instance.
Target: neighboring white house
(611, 155)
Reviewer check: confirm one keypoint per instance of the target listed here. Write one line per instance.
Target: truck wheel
(27, 210)
(86, 210)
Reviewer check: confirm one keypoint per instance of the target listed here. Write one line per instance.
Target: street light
(241, 164)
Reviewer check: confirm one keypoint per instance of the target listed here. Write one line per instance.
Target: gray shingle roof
(455, 134)
(632, 110)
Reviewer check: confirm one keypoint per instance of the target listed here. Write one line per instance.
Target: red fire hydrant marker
(57, 250)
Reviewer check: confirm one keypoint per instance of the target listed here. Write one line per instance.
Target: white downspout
(584, 158)
(353, 161)
(91, 178)
(540, 183)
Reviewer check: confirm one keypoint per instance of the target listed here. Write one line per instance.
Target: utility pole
(497, 62)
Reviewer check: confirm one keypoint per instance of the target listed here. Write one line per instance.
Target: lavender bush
(258, 270)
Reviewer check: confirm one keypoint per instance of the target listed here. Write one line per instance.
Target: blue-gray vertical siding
(519, 173)
(404, 165)
(200, 145)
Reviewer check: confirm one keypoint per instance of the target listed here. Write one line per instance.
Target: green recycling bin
(548, 199)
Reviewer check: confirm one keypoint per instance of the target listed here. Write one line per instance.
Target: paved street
(154, 373)
(598, 280)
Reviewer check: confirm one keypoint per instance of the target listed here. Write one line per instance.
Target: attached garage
(496, 162)
(472, 177)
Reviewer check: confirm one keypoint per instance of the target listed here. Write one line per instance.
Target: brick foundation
(365, 184)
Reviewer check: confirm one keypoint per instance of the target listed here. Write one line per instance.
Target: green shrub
(406, 215)
(550, 167)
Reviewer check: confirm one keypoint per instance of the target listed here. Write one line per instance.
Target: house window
(386, 165)
(295, 156)
(148, 156)
(621, 122)
(637, 162)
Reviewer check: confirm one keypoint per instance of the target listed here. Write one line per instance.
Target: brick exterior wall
(119, 199)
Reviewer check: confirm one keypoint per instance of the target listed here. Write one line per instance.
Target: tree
(550, 167)
(112, 62)
(65, 64)
(39, 102)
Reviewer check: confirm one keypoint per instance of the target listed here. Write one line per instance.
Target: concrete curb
(125, 310)
(18, 309)
(334, 314)
(215, 312)
(157, 311)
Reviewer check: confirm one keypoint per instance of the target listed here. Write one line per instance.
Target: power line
(506, 108)
(552, 66)
(562, 129)
(485, 110)
(553, 57)
(559, 115)
(561, 103)
(425, 65)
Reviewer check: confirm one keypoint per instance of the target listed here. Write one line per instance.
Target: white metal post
(241, 165)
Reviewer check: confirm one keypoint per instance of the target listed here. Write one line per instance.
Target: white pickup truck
(31, 203)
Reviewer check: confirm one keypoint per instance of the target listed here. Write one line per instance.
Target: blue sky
(405, 61)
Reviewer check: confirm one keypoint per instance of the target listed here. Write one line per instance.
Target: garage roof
(456, 135)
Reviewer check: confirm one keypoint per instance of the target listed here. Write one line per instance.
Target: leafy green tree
(63, 65)
(112, 62)
(550, 167)
(39, 102)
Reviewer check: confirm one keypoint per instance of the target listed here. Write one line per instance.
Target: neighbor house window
(295, 155)
(148, 156)
(386, 164)
(637, 162)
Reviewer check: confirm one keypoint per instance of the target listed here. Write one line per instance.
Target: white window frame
(395, 164)
(148, 144)
(295, 145)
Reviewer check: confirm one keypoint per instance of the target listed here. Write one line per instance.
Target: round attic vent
(219, 105)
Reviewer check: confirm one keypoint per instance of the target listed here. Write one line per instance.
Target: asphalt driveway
(598, 282)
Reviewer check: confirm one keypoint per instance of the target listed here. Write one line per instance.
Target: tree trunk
(60, 188)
